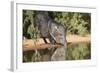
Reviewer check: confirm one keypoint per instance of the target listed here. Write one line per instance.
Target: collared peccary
(52, 30)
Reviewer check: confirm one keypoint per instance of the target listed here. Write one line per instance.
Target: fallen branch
(40, 46)
(30, 44)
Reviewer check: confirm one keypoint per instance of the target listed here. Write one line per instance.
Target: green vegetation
(78, 51)
(74, 23)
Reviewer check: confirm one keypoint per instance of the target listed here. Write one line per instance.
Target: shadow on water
(78, 51)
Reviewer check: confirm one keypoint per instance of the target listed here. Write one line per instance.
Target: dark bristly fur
(50, 29)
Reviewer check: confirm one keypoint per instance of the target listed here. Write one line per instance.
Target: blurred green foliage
(78, 51)
(74, 22)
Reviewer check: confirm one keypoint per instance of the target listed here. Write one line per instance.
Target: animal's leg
(45, 40)
(53, 42)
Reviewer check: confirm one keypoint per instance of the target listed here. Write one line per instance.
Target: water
(79, 51)
(74, 51)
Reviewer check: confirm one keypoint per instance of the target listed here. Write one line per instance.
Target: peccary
(52, 30)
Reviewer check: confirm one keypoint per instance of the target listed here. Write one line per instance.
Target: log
(30, 44)
(28, 47)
